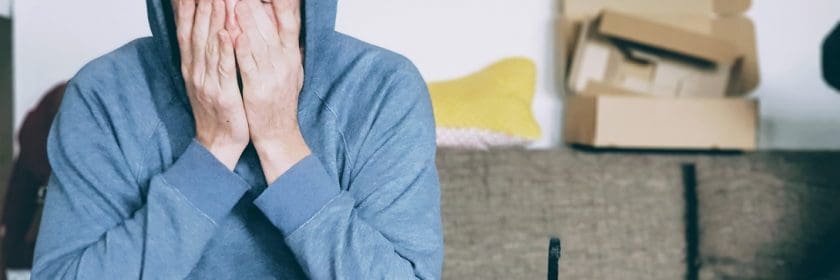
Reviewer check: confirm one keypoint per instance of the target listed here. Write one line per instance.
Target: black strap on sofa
(554, 258)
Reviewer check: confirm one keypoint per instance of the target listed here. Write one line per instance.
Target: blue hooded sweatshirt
(133, 195)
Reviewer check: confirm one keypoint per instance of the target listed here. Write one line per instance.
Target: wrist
(279, 155)
(226, 153)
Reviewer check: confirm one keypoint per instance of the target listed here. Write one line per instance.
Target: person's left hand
(271, 63)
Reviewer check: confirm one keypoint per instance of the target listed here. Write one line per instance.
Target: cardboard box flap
(741, 31)
(579, 9)
(730, 7)
(722, 19)
(644, 69)
(651, 33)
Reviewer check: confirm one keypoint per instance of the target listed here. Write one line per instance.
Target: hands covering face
(269, 58)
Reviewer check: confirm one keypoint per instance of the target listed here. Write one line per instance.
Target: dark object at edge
(24, 194)
(692, 222)
(831, 58)
(554, 258)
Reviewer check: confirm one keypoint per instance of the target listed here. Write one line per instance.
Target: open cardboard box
(610, 108)
(652, 58)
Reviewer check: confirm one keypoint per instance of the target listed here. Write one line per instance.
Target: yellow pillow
(489, 108)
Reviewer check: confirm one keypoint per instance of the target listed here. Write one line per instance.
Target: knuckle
(198, 70)
(204, 7)
(247, 68)
(185, 70)
(196, 40)
(183, 37)
(195, 81)
(225, 70)
(240, 9)
(204, 99)
(242, 42)
(212, 92)
(210, 51)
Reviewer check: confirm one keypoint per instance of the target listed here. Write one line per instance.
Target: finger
(217, 19)
(257, 46)
(252, 18)
(200, 33)
(217, 24)
(213, 53)
(265, 23)
(230, 19)
(184, 25)
(289, 19)
(227, 64)
(245, 57)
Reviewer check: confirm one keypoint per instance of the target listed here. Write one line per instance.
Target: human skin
(259, 40)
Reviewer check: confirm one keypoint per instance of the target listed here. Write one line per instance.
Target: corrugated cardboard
(730, 7)
(651, 57)
(723, 19)
(665, 36)
(600, 114)
(621, 121)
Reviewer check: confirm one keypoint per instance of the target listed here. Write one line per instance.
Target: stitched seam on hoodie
(184, 197)
(144, 163)
(340, 132)
(317, 213)
(137, 169)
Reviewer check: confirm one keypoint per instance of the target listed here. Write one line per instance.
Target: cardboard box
(723, 19)
(652, 58)
(618, 120)
(615, 112)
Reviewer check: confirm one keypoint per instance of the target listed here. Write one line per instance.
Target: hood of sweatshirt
(318, 19)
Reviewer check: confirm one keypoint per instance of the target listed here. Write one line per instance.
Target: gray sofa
(627, 215)
(623, 215)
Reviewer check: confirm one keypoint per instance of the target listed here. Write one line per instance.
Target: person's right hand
(208, 65)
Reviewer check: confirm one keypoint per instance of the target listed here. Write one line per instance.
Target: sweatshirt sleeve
(98, 223)
(389, 227)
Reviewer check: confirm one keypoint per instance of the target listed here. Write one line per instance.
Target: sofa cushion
(769, 216)
(620, 216)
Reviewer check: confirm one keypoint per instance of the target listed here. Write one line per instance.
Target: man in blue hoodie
(319, 163)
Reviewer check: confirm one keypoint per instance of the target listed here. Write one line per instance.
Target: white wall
(5, 8)
(798, 109)
(449, 38)
(54, 38)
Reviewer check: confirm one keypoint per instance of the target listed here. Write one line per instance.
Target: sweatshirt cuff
(207, 183)
(297, 195)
